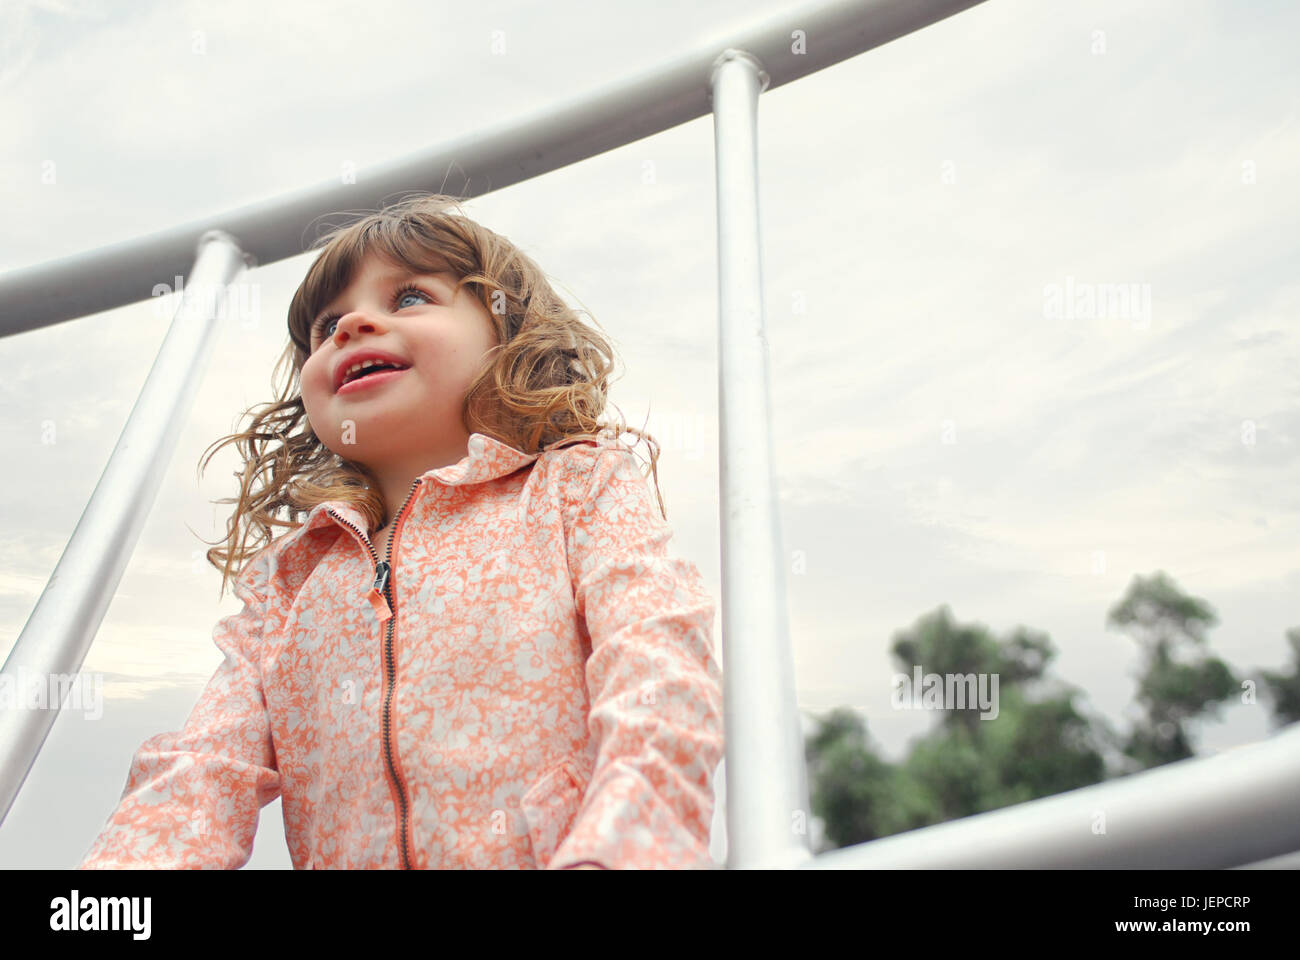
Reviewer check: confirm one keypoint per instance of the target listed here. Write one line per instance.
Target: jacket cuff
(626, 825)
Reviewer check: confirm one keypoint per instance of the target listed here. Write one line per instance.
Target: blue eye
(320, 326)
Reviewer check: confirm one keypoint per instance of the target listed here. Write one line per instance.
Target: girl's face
(409, 420)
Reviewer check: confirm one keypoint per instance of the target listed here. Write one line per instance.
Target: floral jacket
(526, 680)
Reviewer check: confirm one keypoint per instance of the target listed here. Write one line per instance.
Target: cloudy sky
(943, 434)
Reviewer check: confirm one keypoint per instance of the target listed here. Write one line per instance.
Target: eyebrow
(386, 280)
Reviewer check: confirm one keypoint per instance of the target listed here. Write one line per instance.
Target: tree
(1036, 746)
(852, 789)
(1179, 681)
(1284, 689)
(1040, 743)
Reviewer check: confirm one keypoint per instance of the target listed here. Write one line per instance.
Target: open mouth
(371, 376)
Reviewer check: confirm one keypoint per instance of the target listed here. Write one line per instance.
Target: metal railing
(767, 791)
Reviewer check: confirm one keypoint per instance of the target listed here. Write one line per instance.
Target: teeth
(356, 367)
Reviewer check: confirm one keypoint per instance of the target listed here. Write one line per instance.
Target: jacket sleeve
(193, 797)
(654, 686)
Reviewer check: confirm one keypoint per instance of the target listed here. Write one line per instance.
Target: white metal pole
(767, 793)
(53, 644)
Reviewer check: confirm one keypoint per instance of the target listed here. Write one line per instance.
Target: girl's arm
(654, 685)
(193, 797)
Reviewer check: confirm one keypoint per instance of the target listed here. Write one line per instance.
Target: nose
(349, 325)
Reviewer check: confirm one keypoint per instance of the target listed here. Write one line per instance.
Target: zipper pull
(376, 594)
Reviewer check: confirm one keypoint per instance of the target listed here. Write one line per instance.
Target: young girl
(474, 650)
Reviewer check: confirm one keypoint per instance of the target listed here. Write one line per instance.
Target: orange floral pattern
(534, 687)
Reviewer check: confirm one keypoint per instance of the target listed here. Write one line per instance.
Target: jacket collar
(488, 459)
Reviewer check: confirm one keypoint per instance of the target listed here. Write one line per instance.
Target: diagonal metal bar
(54, 642)
(518, 149)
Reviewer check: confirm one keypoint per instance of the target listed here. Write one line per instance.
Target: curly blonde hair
(546, 381)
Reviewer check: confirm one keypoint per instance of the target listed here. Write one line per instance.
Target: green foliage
(1161, 614)
(1045, 747)
(1284, 689)
(1041, 742)
(1173, 688)
(966, 765)
(851, 787)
